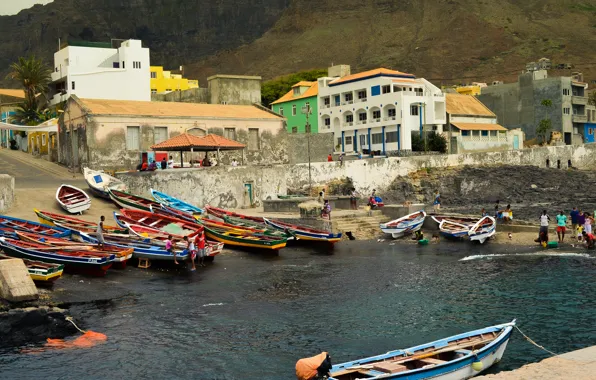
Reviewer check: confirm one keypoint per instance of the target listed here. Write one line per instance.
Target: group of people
(169, 164)
(195, 248)
(581, 226)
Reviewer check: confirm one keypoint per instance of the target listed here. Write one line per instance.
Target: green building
(291, 105)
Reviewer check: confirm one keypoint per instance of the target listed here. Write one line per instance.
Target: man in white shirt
(543, 234)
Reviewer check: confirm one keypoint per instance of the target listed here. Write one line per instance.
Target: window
(132, 138)
(281, 111)
(414, 110)
(493, 133)
(168, 90)
(73, 85)
(153, 91)
(326, 101)
(43, 139)
(465, 133)
(337, 100)
(566, 91)
(375, 90)
(294, 129)
(307, 128)
(377, 138)
(294, 110)
(137, 65)
(223, 103)
(307, 105)
(377, 114)
(386, 89)
(116, 65)
(296, 91)
(362, 140)
(230, 133)
(396, 88)
(391, 137)
(391, 112)
(362, 116)
(153, 75)
(590, 131)
(339, 141)
(253, 139)
(160, 134)
(349, 97)
(123, 65)
(484, 133)
(327, 122)
(348, 140)
(362, 94)
(567, 111)
(349, 118)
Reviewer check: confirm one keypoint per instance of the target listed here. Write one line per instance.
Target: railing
(362, 99)
(326, 105)
(376, 120)
(579, 118)
(349, 123)
(389, 118)
(581, 100)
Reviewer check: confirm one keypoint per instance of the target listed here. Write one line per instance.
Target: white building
(376, 111)
(117, 70)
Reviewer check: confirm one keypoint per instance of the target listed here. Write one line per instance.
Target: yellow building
(473, 89)
(41, 142)
(163, 81)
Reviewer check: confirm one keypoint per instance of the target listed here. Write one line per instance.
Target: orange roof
(370, 73)
(187, 141)
(303, 84)
(478, 126)
(174, 109)
(402, 80)
(458, 104)
(12, 92)
(312, 91)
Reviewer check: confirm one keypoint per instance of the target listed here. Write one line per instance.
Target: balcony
(362, 100)
(326, 106)
(580, 100)
(61, 73)
(388, 118)
(347, 102)
(376, 120)
(579, 118)
(349, 123)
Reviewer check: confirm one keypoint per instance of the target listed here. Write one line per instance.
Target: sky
(12, 7)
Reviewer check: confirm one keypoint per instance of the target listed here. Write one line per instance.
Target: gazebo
(191, 143)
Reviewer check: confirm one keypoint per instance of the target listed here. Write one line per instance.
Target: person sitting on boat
(589, 239)
(170, 248)
(314, 368)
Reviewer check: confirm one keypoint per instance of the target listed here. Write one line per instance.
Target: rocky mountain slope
(448, 41)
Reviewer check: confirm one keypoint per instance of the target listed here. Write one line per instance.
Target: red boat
(73, 223)
(159, 221)
(73, 199)
(222, 213)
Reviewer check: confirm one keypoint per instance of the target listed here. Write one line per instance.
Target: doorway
(248, 194)
(567, 138)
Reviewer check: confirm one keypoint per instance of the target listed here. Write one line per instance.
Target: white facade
(377, 111)
(102, 73)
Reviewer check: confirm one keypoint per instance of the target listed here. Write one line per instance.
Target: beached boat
(483, 230)
(9, 222)
(458, 357)
(72, 199)
(223, 213)
(76, 261)
(405, 225)
(245, 239)
(162, 222)
(245, 227)
(175, 203)
(99, 182)
(41, 273)
(71, 223)
(131, 201)
(466, 220)
(453, 230)
(305, 233)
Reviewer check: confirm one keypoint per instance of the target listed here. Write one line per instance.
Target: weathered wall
(6, 192)
(234, 89)
(193, 95)
(321, 144)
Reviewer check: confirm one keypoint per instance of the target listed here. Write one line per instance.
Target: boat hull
(72, 199)
(91, 178)
(302, 234)
(243, 242)
(175, 203)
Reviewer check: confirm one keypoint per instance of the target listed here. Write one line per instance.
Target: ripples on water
(252, 317)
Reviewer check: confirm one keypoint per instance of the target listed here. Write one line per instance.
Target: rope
(69, 319)
(534, 343)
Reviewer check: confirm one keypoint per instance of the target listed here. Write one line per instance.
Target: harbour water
(251, 317)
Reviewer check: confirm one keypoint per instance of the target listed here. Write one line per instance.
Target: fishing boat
(43, 274)
(466, 220)
(458, 357)
(165, 223)
(86, 262)
(131, 201)
(99, 182)
(453, 230)
(483, 230)
(72, 199)
(245, 239)
(29, 226)
(172, 202)
(242, 226)
(305, 233)
(223, 213)
(72, 223)
(122, 254)
(405, 225)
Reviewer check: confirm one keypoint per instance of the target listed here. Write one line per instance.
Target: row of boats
(475, 229)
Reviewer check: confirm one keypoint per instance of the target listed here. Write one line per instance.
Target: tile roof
(479, 127)
(187, 141)
(466, 105)
(174, 109)
(303, 83)
(371, 73)
(289, 96)
(12, 92)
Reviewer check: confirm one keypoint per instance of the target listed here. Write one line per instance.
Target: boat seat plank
(464, 352)
(371, 372)
(433, 361)
(389, 367)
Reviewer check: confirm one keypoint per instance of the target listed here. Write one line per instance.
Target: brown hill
(448, 41)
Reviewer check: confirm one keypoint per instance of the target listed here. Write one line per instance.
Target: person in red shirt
(144, 167)
(589, 239)
(200, 244)
(329, 158)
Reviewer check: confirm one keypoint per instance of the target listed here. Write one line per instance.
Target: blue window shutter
(375, 90)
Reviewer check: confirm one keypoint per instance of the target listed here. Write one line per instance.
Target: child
(200, 246)
(169, 249)
(579, 233)
(190, 249)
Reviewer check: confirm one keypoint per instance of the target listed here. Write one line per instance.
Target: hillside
(448, 41)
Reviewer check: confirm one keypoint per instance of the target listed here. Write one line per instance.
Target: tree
(417, 142)
(545, 125)
(276, 88)
(437, 142)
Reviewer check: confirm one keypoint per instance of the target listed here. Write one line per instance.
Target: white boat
(483, 229)
(404, 225)
(455, 358)
(99, 182)
(72, 199)
(453, 230)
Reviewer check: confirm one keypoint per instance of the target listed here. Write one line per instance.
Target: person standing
(191, 252)
(574, 214)
(329, 158)
(561, 223)
(100, 230)
(588, 223)
(234, 162)
(543, 234)
(484, 213)
(200, 244)
(353, 199)
(171, 163)
(581, 218)
(341, 160)
(497, 209)
(164, 163)
(326, 215)
(170, 248)
(437, 202)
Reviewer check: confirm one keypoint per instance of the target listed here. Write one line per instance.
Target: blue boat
(175, 203)
(455, 358)
(9, 222)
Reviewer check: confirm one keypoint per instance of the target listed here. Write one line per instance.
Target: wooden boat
(122, 255)
(458, 357)
(162, 222)
(43, 274)
(405, 225)
(131, 201)
(223, 213)
(244, 238)
(99, 182)
(453, 230)
(483, 230)
(466, 220)
(29, 226)
(305, 233)
(242, 226)
(72, 199)
(72, 223)
(76, 261)
(175, 203)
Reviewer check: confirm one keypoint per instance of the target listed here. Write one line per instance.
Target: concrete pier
(15, 283)
(576, 365)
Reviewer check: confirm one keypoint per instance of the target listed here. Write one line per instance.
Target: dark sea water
(251, 317)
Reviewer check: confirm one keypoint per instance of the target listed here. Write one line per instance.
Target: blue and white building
(375, 112)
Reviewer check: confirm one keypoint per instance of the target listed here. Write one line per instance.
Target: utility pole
(307, 111)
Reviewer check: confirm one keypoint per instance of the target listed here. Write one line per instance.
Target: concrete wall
(234, 89)
(321, 145)
(6, 192)
(193, 95)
